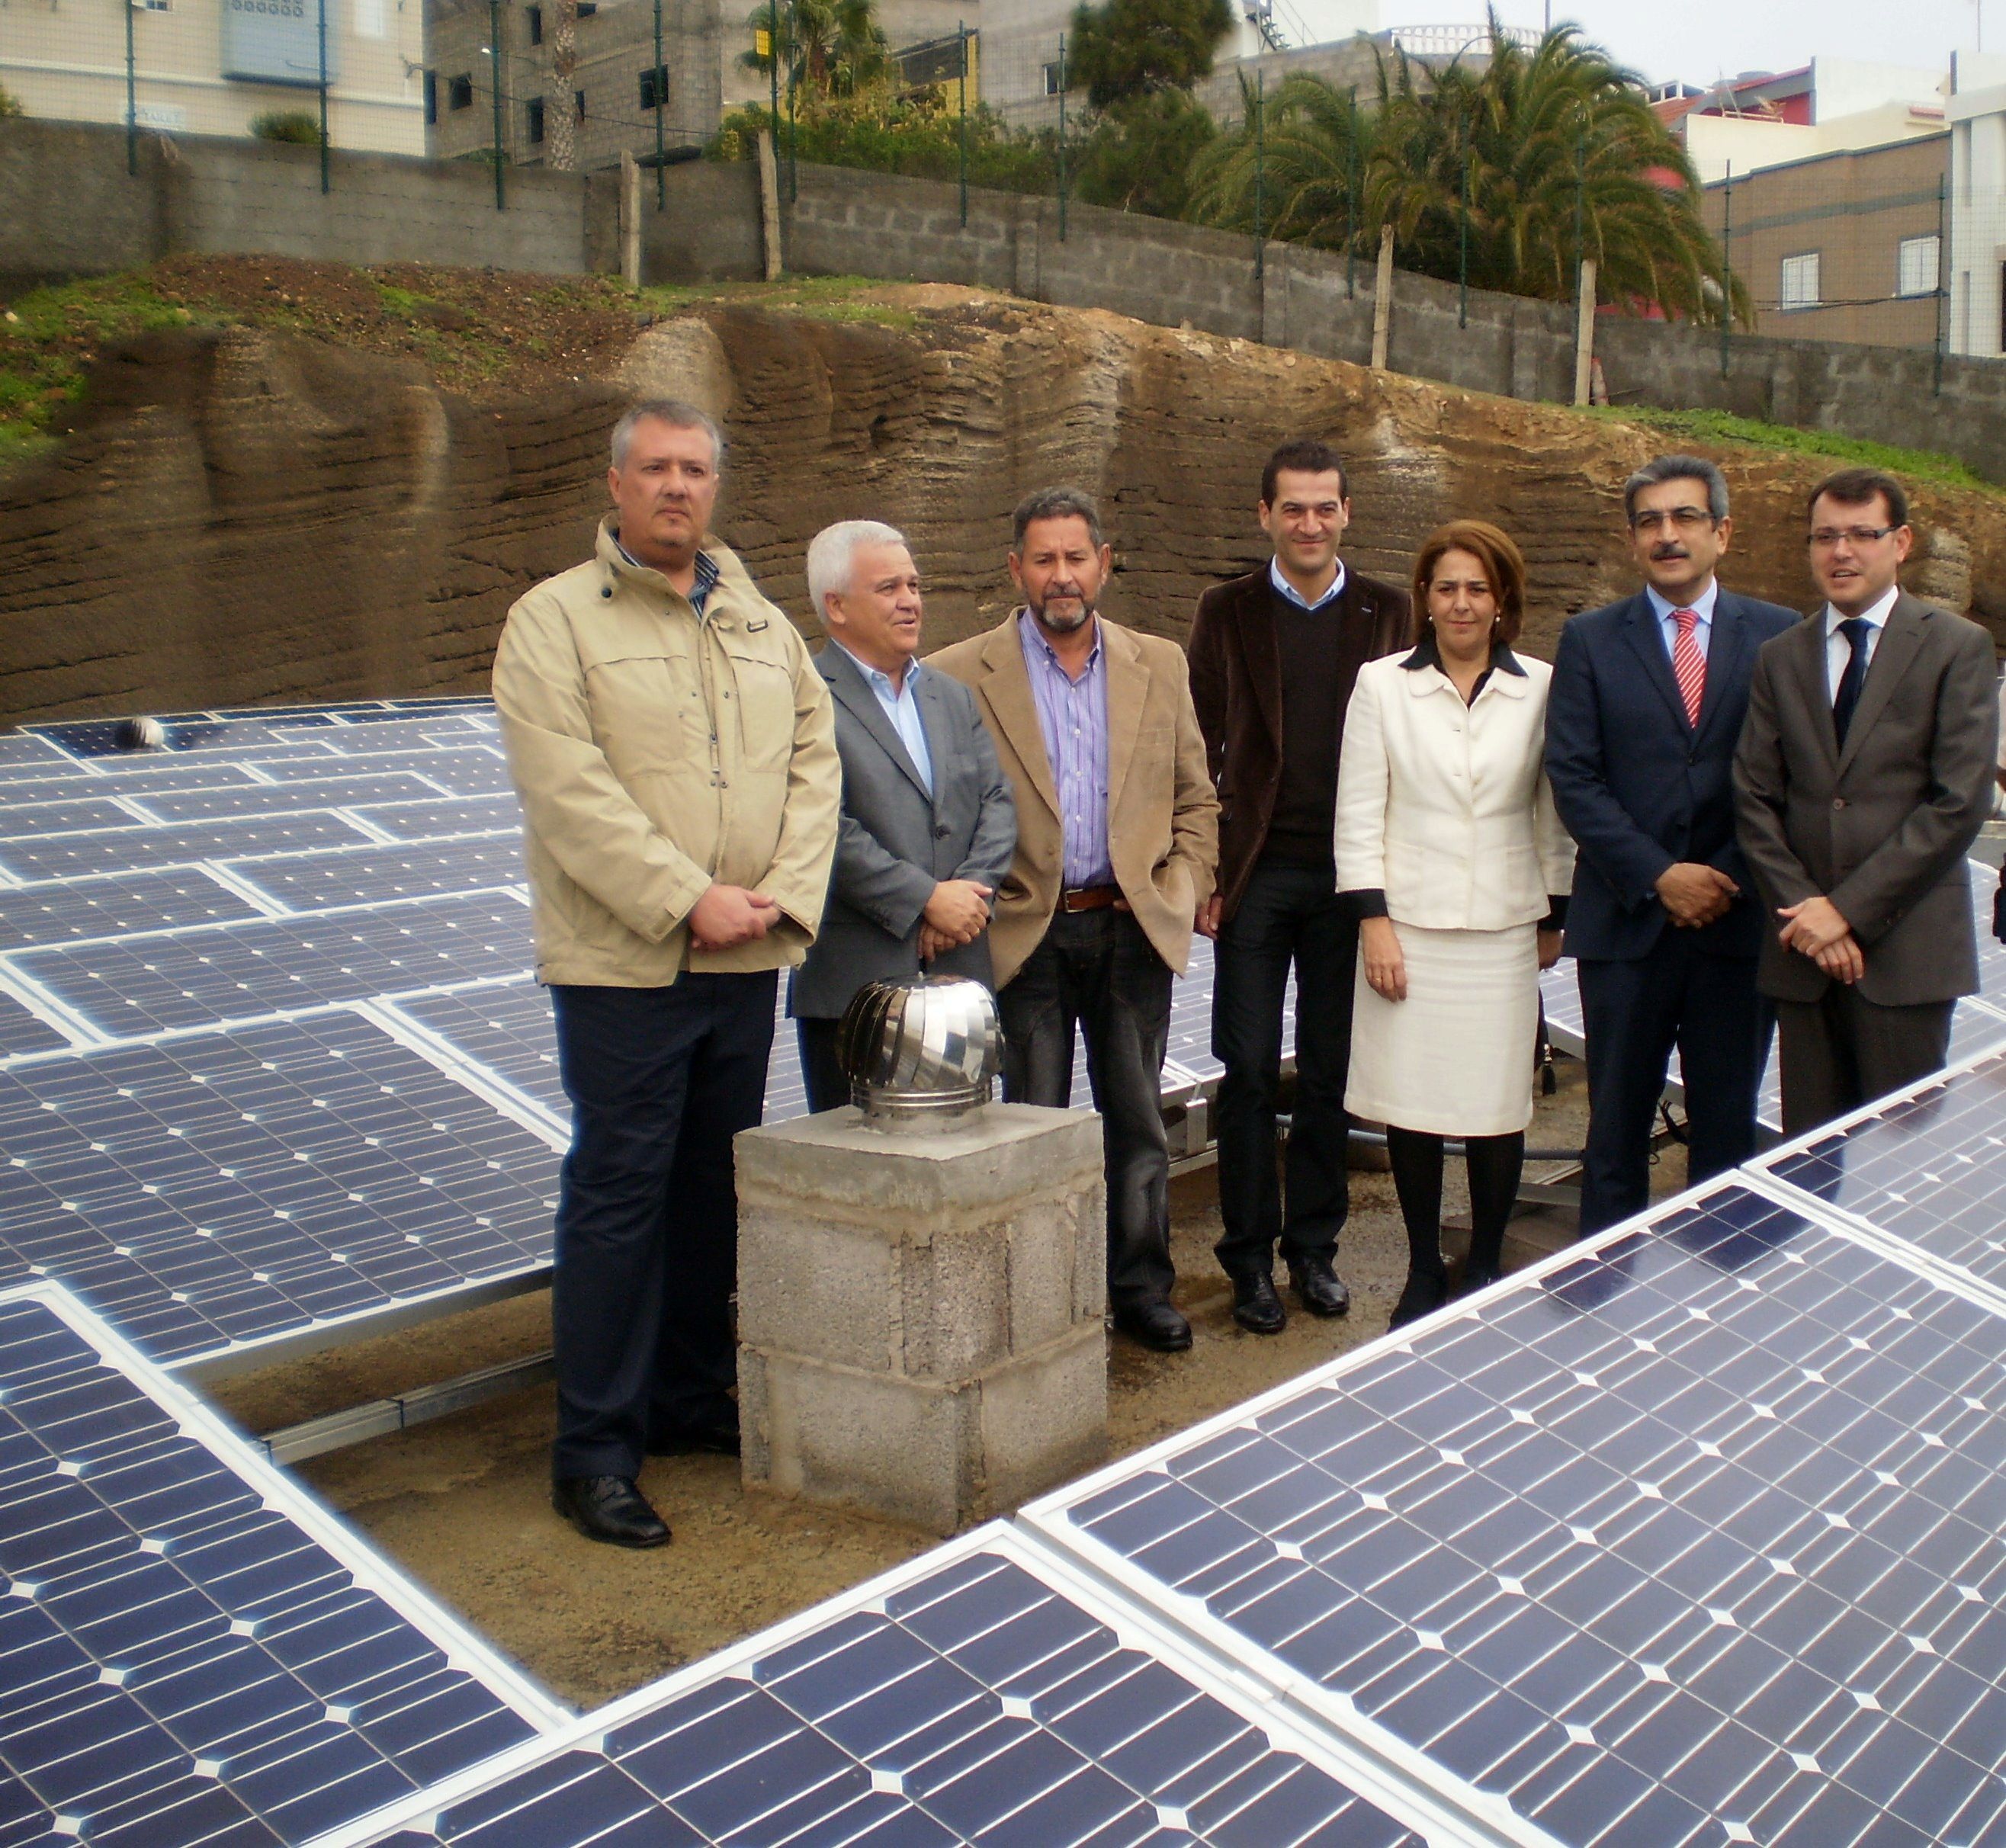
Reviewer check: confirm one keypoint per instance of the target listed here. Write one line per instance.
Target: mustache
(1660, 554)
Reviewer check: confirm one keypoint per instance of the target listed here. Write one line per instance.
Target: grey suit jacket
(894, 842)
(1882, 827)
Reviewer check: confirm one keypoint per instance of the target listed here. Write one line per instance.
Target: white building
(209, 67)
(1977, 111)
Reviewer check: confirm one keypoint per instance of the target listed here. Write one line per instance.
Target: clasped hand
(958, 912)
(727, 916)
(1695, 894)
(1816, 928)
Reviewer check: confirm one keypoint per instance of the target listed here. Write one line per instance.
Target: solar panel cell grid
(186, 1656)
(63, 911)
(24, 820)
(444, 816)
(23, 1031)
(1699, 1539)
(121, 849)
(134, 985)
(471, 769)
(281, 798)
(975, 1705)
(323, 880)
(224, 1188)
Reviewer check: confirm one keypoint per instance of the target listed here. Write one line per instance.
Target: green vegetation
(1128, 48)
(1497, 167)
(49, 339)
(295, 126)
(834, 47)
(1721, 427)
(917, 136)
(10, 104)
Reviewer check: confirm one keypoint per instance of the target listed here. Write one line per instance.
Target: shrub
(295, 126)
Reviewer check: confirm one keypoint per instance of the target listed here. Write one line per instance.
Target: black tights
(1493, 1162)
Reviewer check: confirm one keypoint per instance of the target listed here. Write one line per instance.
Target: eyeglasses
(1687, 519)
(1824, 538)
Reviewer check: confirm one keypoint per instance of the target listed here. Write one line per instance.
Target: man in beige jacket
(1117, 836)
(674, 751)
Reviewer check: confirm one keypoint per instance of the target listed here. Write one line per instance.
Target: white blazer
(1445, 808)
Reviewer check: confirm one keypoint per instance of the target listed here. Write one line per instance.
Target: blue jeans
(659, 1080)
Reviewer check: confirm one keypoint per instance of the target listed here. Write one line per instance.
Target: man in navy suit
(1664, 924)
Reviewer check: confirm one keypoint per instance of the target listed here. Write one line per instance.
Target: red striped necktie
(1689, 664)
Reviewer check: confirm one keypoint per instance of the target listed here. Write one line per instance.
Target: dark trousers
(659, 1080)
(1289, 914)
(1633, 1014)
(1096, 970)
(1843, 1050)
(821, 1071)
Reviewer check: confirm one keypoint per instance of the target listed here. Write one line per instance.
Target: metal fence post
(961, 31)
(1727, 265)
(132, 96)
(1062, 126)
(323, 96)
(495, 76)
(773, 71)
(1462, 251)
(1942, 294)
(661, 110)
(1260, 170)
(1351, 202)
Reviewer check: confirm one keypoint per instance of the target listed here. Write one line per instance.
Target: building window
(534, 109)
(655, 88)
(1800, 281)
(535, 16)
(431, 97)
(459, 93)
(1916, 265)
(1051, 79)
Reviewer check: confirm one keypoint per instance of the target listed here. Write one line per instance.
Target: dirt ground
(463, 1505)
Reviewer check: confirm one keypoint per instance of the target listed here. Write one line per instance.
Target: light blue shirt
(901, 707)
(1072, 715)
(1284, 587)
(1701, 605)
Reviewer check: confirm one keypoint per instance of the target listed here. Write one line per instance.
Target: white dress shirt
(1287, 590)
(903, 709)
(1838, 651)
(1701, 605)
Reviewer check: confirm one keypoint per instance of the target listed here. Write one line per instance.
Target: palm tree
(1538, 142)
(834, 46)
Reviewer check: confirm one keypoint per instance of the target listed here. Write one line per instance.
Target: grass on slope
(1721, 427)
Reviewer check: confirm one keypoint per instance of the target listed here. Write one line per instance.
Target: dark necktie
(1856, 630)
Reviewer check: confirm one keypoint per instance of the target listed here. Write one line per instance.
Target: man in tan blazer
(1864, 772)
(1117, 838)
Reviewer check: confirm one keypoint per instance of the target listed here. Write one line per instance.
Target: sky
(1700, 40)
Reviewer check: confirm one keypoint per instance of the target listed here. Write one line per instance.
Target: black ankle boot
(1426, 1290)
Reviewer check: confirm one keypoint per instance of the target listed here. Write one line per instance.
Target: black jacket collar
(1427, 654)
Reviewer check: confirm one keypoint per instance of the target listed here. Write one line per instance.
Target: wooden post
(630, 219)
(1584, 332)
(769, 204)
(1382, 299)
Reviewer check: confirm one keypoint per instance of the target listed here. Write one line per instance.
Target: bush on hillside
(295, 126)
(10, 104)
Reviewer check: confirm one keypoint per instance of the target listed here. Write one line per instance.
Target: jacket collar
(619, 570)
(1503, 661)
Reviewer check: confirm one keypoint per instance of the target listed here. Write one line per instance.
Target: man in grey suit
(928, 827)
(1864, 772)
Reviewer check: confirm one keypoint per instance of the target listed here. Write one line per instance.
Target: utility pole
(661, 111)
(494, 84)
(323, 93)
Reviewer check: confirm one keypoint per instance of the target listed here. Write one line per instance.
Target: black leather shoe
(719, 1439)
(609, 1508)
(1318, 1287)
(1426, 1292)
(1255, 1306)
(1154, 1326)
(1477, 1276)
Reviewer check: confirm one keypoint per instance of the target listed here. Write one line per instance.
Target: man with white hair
(672, 745)
(928, 826)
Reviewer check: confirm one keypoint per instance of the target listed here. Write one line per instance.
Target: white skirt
(1454, 1058)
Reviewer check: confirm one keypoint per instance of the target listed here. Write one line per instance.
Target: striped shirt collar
(707, 574)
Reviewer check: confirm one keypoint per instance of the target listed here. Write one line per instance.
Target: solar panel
(22, 1031)
(443, 815)
(472, 768)
(187, 732)
(24, 820)
(1975, 1028)
(129, 986)
(1926, 1169)
(506, 1031)
(1696, 1537)
(142, 776)
(279, 798)
(25, 748)
(214, 1193)
(122, 850)
(114, 905)
(191, 1649)
(982, 1696)
(375, 874)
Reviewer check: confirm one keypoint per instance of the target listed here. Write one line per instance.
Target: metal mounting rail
(316, 1437)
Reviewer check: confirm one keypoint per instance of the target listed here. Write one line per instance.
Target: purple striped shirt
(1073, 715)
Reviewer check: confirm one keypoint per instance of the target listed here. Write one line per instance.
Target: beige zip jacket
(655, 751)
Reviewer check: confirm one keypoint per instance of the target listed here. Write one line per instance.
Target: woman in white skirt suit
(1450, 849)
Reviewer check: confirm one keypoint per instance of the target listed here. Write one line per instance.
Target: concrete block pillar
(920, 1312)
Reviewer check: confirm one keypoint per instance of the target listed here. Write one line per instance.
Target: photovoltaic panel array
(116, 905)
(214, 1194)
(193, 1652)
(1699, 1538)
(349, 876)
(982, 1698)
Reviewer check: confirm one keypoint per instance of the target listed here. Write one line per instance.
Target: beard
(1062, 623)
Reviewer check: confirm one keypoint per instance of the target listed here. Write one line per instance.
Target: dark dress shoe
(1256, 1307)
(1154, 1326)
(609, 1508)
(1318, 1287)
(719, 1439)
(1426, 1292)
(1476, 1277)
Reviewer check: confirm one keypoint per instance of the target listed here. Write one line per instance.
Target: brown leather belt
(1090, 898)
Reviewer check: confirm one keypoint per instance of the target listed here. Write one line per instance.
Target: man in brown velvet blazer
(1273, 656)
(1864, 772)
